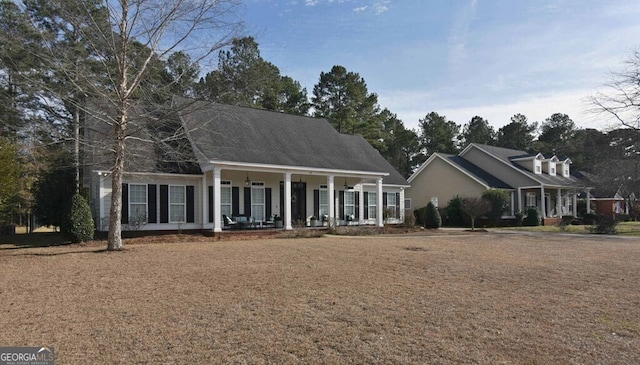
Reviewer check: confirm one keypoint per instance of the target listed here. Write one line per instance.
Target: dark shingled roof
(508, 155)
(239, 134)
(477, 172)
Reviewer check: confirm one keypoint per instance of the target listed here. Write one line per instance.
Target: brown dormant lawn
(483, 298)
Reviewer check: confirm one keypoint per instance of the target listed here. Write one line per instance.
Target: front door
(298, 201)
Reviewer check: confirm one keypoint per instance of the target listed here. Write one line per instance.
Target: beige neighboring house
(533, 180)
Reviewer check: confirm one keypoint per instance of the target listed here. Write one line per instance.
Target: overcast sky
(460, 58)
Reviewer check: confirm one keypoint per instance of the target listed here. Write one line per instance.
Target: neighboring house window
(225, 198)
(531, 200)
(137, 203)
(372, 206)
(349, 204)
(434, 201)
(407, 204)
(324, 201)
(257, 201)
(177, 202)
(391, 205)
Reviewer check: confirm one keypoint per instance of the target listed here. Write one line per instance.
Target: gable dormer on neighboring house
(549, 166)
(564, 167)
(532, 163)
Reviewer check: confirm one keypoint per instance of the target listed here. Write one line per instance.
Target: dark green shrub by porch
(79, 222)
(432, 218)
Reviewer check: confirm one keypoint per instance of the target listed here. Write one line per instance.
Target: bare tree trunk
(114, 241)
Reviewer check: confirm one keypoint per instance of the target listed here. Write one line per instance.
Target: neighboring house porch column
(588, 201)
(575, 204)
(543, 202)
(203, 198)
(217, 218)
(331, 197)
(559, 203)
(380, 213)
(360, 198)
(287, 201)
(520, 208)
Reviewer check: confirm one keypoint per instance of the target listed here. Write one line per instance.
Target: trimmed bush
(419, 214)
(498, 202)
(532, 218)
(432, 218)
(605, 224)
(589, 218)
(455, 216)
(79, 222)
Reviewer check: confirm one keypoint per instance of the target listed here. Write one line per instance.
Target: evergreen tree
(517, 135)
(437, 134)
(401, 147)
(479, 131)
(342, 98)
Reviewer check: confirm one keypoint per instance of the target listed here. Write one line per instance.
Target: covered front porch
(274, 197)
(550, 201)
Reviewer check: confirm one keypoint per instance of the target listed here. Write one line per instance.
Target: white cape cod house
(229, 161)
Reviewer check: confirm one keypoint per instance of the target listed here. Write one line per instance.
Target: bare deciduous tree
(474, 208)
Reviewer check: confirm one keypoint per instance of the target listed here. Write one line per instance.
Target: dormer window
(552, 171)
(566, 172)
(538, 169)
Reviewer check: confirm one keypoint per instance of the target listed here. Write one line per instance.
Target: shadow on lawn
(32, 240)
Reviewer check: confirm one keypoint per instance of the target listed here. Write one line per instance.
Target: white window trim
(146, 201)
(395, 205)
(535, 199)
(226, 184)
(407, 204)
(374, 205)
(323, 206)
(258, 185)
(184, 205)
(352, 192)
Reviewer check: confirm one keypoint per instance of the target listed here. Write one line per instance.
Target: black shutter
(341, 204)
(398, 205)
(281, 199)
(210, 204)
(152, 200)
(357, 199)
(384, 201)
(164, 203)
(247, 202)
(124, 219)
(235, 201)
(316, 203)
(267, 202)
(366, 205)
(191, 209)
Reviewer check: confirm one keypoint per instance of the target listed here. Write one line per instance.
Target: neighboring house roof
(225, 133)
(507, 156)
(485, 177)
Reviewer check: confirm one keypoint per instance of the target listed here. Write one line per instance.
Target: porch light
(247, 182)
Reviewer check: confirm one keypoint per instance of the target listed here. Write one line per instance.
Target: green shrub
(605, 224)
(498, 202)
(455, 216)
(532, 218)
(419, 214)
(519, 218)
(590, 218)
(78, 220)
(432, 218)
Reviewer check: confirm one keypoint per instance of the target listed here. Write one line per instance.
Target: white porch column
(588, 201)
(512, 203)
(331, 197)
(520, 208)
(203, 198)
(559, 203)
(360, 198)
(402, 207)
(575, 204)
(287, 201)
(379, 207)
(217, 218)
(543, 202)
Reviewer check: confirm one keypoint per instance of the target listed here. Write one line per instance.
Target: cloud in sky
(460, 58)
